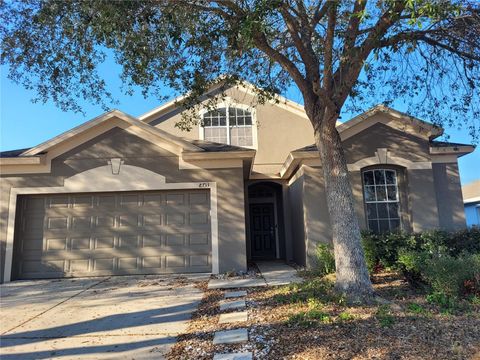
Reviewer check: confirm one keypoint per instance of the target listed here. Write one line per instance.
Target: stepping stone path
(230, 336)
(273, 274)
(233, 317)
(233, 336)
(232, 305)
(235, 294)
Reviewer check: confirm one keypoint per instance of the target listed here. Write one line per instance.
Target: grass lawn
(309, 321)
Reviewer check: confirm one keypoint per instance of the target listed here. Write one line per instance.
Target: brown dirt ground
(431, 334)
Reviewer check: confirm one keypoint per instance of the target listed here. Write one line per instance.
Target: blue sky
(25, 124)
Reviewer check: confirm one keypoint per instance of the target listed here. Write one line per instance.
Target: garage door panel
(110, 234)
(198, 239)
(41, 266)
(80, 243)
(103, 264)
(152, 240)
(104, 242)
(149, 262)
(54, 244)
(58, 201)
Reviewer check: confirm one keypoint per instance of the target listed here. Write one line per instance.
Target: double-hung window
(228, 125)
(380, 188)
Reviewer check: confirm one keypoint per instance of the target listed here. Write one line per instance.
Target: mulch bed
(427, 335)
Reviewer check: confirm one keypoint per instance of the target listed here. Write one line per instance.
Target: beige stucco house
(125, 195)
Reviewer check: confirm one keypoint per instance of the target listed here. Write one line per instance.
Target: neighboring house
(471, 201)
(125, 195)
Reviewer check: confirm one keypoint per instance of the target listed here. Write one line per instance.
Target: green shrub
(381, 250)
(442, 300)
(448, 275)
(412, 263)
(447, 262)
(369, 243)
(325, 260)
(464, 241)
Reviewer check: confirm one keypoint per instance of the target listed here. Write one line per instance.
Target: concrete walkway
(235, 283)
(273, 274)
(278, 273)
(122, 317)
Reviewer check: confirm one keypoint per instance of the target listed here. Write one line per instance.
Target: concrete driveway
(124, 317)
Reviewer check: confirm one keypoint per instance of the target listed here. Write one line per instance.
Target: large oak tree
(337, 53)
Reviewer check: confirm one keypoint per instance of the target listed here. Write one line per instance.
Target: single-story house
(125, 195)
(471, 202)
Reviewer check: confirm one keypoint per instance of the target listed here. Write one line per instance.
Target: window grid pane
(229, 126)
(216, 134)
(241, 136)
(380, 189)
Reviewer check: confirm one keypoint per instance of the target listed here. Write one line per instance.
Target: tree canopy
(423, 51)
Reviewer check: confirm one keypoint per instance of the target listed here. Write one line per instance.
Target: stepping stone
(235, 283)
(233, 317)
(234, 294)
(234, 356)
(231, 305)
(230, 336)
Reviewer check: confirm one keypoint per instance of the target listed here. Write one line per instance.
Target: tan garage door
(112, 233)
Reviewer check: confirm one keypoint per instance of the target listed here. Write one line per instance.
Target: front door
(262, 231)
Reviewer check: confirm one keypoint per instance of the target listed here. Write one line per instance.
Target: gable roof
(108, 116)
(249, 88)
(362, 122)
(402, 121)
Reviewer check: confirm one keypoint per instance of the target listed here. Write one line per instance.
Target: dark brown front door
(262, 231)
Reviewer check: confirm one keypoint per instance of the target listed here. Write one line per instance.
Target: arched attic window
(229, 125)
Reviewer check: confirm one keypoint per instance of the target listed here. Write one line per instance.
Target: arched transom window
(380, 188)
(228, 125)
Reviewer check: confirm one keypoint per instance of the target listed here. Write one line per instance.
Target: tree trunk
(352, 278)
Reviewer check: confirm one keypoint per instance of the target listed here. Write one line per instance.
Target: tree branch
(320, 12)
(353, 25)
(328, 50)
(263, 45)
(303, 45)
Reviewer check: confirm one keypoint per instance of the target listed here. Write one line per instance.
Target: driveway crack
(56, 305)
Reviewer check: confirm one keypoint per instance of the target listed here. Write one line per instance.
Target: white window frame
(227, 104)
(386, 201)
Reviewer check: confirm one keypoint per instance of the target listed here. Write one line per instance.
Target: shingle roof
(216, 147)
(12, 153)
(205, 145)
(312, 147)
(447, 144)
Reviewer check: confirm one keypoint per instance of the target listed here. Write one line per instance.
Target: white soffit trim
(452, 150)
(30, 160)
(129, 178)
